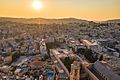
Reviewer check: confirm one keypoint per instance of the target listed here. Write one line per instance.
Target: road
(63, 72)
(84, 65)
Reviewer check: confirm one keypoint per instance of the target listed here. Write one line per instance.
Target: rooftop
(105, 71)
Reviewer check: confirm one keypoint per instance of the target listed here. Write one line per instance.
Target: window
(106, 78)
(76, 72)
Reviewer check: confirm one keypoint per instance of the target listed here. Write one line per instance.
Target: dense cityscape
(59, 49)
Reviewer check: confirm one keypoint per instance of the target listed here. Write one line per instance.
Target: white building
(93, 45)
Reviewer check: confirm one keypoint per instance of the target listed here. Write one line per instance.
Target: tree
(67, 62)
(88, 54)
(15, 55)
(101, 58)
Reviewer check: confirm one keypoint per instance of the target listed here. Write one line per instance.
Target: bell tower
(75, 71)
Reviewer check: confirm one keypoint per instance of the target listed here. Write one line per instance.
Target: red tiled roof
(37, 63)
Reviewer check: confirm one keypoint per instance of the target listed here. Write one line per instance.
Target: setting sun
(37, 5)
(97, 10)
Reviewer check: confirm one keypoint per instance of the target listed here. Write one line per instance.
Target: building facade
(75, 71)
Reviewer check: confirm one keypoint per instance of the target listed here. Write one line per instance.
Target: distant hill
(113, 21)
(42, 20)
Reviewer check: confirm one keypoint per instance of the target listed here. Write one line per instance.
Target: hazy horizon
(92, 10)
(58, 18)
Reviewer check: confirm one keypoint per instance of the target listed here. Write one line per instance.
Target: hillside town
(75, 50)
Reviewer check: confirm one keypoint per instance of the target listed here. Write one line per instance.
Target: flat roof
(100, 67)
(90, 43)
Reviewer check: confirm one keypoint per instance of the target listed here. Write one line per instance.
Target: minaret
(75, 71)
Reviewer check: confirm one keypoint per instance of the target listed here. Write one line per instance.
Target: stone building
(75, 71)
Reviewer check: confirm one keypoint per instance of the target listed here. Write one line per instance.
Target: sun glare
(37, 5)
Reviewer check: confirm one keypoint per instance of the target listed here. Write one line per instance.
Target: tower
(37, 47)
(75, 71)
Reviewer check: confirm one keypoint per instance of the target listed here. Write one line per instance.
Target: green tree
(101, 58)
(15, 55)
(67, 62)
(88, 54)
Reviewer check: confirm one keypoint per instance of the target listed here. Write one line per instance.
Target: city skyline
(59, 40)
(96, 10)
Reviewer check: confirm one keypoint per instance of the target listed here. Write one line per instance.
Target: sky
(96, 10)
